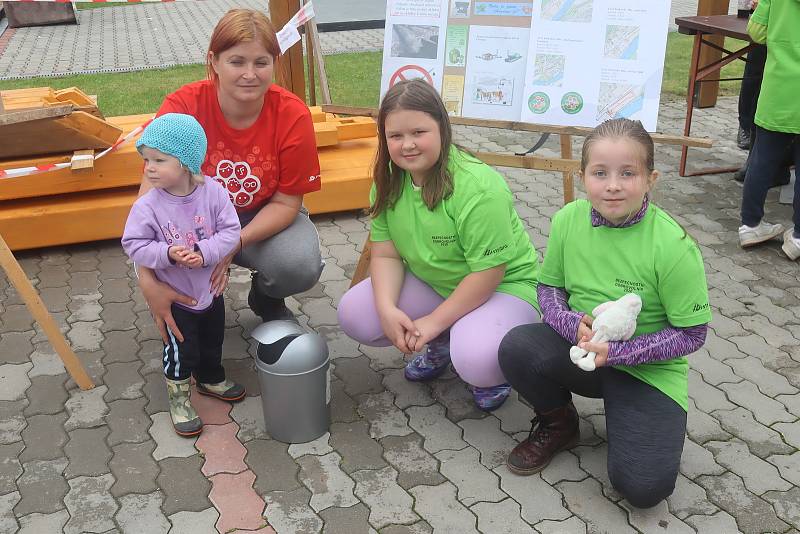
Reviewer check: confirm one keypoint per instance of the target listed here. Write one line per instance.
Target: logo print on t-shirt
(240, 182)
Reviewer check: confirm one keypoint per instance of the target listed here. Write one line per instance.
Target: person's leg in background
(791, 238)
(287, 263)
(748, 94)
(646, 431)
(766, 159)
(474, 342)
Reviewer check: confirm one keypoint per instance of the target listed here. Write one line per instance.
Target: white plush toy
(613, 321)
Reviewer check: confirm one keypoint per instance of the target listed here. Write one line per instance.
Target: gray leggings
(645, 427)
(289, 262)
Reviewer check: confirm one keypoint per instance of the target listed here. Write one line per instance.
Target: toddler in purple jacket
(181, 229)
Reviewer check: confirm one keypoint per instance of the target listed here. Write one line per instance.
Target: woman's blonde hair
(411, 95)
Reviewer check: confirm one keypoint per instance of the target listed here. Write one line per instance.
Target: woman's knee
(642, 490)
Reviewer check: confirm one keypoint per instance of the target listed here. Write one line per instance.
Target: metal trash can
(294, 374)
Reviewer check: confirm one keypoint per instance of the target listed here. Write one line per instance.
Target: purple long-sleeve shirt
(203, 220)
(667, 343)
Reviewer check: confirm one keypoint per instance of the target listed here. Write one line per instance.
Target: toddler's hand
(177, 252)
(193, 260)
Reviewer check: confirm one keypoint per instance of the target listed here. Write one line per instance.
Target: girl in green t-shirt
(452, 266)
(599, 249)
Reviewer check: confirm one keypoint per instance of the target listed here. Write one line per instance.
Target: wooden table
(702, 27)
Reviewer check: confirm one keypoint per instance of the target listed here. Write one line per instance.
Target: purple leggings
(474, 339)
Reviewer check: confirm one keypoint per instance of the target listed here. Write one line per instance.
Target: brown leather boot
(551, 432)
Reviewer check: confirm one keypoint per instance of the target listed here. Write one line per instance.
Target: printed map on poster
(563, 62)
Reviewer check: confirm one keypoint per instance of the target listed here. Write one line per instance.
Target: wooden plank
(529, 162)
(706, 93)
(566, 153)
(15, 117)
(82, 160)
(362, 268)
(35, 305)
(327, 133)
(663, 139)
(290, 65)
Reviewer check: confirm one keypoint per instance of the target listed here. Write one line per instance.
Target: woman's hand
(425, 329)
(159, 297)
(396, 326)
(600, 350)
(585, 328)
(221, 274)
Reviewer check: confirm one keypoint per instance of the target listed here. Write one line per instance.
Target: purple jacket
(205, 219)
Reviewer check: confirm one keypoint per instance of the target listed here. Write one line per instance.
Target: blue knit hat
(177, 135)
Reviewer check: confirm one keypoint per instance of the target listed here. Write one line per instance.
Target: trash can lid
(286, 348)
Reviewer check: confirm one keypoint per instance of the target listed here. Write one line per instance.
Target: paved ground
(400, 457)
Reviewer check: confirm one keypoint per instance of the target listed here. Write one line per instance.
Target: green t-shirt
(653, 258)
(778, 108)
(474, 229)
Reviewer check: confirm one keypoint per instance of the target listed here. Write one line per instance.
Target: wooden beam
(529, 162)
(319, 59)
(20, 281)
(580, 131)
(566, 153)
(291, 76)
(706, 93)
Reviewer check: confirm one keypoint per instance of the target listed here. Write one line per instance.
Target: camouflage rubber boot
(184, 419)
(227, 390)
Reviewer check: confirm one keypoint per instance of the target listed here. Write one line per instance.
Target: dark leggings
(645, 427)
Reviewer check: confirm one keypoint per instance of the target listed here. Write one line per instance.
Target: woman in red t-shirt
(262, 149)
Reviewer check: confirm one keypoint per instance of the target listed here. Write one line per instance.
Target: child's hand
(425, 329)
(185, 256)
(396, 325)
(193, 260)
(585, 328)
(178, 252)
(600, 349)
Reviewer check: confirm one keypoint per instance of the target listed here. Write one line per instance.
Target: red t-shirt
(277, 153)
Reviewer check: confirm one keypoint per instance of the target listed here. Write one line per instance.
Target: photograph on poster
(453, 93)
(459, 9)
(455, 49)
(548, 69)
(622, 42)
(618, 100)
(567, 10)
(493, 90)
(414, 41)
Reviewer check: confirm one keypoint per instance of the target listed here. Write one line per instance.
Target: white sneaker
(791, 245)
(753, 235)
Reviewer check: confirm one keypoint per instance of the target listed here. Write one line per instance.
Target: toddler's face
(616, 178)
(162, 170)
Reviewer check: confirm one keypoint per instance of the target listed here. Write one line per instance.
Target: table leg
(687, 124)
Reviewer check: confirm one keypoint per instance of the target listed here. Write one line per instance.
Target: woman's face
(244, 71)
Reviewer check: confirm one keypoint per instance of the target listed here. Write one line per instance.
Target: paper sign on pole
(563, 62)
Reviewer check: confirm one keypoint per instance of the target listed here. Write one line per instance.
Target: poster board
(560, 62)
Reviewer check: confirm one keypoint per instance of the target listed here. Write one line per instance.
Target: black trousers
(751, 86)
(645, 428)
(767, 160)
(200, 354)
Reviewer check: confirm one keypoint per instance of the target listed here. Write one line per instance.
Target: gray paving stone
(120, 346)
(87, 452)
(184, 486)
(761, 440)
(502, 517)
(249, 415)
(85, 282)
(585, 499)
(128, 421)
(514, 415)
(289, 512)
(85, 335)
(594, 460)
(358, 376)
(713, 371)
(168, 443)
(406, 393)
(697, 460)
(438, 506)
(90, 505)
(45, 363)
(769, 382)
(115, 290)
(573, 525)
(473, 480)
(320, 311)
(564, 466)
(454, 395)
(708, 398)
(134, 468)
(52, 276)
(275, 470)
(343, 408)
(414, 464)
(86, 409)
(43, 523)
(16, 318)
(351, 520)
(719, 522)
(420, 527)
(758, 475)
(486, 436)
(12, 422)
(42, 487)
(194, 522)
(8, 522)
(14, 381)
(388, 503)
(538, 500)
(46, 395)
(790, 433)
(385, 419)
(10, 467)
(155, 391)
(382, 358)
(752, 513)
(786, 505)
(142, 513)
(656, 519)
(789, 467)
(330, 486)
(118, 316)
(689, 499)
(123, 381)
(84, 308)
(773, 335)
(44, 438)
(317, 447)
(766, 410)
(439, 432)
(55, 298)
(357, 449)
